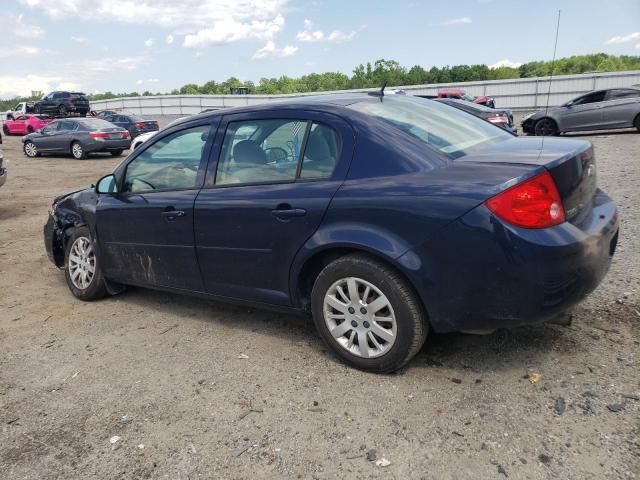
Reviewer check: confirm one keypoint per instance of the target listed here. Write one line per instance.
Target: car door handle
(285, 212)
(171, 215)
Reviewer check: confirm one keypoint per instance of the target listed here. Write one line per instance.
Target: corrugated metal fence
(518, 94)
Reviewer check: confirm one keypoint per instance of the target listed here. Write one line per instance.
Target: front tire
(81, 267)
(368, 314)
(77, 151)
(30, 149)
(5, 130)
(546, 127)
(62, 111)
(636, 122)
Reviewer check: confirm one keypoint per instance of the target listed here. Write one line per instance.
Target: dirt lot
(166, 375)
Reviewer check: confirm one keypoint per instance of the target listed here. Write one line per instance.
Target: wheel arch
(307, 267)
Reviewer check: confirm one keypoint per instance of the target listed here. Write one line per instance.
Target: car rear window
(96, 123)
(451, 131)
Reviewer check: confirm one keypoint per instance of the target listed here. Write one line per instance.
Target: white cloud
(199, 54)
(170, 39)
(457, 21)
(308, 24)
(153, 80)
(139, 82)
(148, 42)
(22, 85)
(270, 50)
(340, 37)
(10, 51)
(168, 13)
(307, 36)
(229, 30)
(79, 39)
(505, 63)
(623, 38)
(16, 25)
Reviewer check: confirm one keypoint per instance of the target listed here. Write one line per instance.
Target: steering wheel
(276, 154)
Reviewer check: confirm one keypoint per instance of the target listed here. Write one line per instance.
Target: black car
(500, 117)
(63, 103)
(133, 123)
(78, 137)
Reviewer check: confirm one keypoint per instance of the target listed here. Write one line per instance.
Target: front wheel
(5, 130)
(368, 314)
(30, 149)
(77, 151)
(636, 122)
(62, 111)
(81, 267)
(546, 127)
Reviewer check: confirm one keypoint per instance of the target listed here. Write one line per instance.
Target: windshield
(451, 131)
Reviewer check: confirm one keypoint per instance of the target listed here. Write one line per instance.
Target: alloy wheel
(30, 149)
(76, 150)
(545, 127)
(360, 317)
(82, 263)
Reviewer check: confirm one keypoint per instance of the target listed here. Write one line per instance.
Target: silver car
(597, 110)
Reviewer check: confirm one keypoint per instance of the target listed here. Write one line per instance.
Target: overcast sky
(159, 45)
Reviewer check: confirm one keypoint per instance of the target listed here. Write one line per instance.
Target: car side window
(171, 163)
(321, 152)
(66, 125)
(52, 127)
(590, 98)
(617, 94)
(261, 151)
(21, 118)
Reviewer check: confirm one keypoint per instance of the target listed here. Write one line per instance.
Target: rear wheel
(116, 153)
(77, 151)
(81, 267)
(29, 129)
(368, 314)
(30, 149)
(546, 127)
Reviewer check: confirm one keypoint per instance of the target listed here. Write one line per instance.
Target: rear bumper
(107, 145)
(492, 275)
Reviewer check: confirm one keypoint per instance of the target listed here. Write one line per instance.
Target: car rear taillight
(99, 135)
(498, 119)
(125, 134)
(138, 125)
(534, 203)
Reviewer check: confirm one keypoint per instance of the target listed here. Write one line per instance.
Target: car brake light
(138, 125)
(498, 119)
(99, 135)
(125, 134)
(534, 203)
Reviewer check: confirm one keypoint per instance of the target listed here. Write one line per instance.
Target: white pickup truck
(19, 109)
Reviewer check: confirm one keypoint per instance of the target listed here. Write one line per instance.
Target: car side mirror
(107, 185)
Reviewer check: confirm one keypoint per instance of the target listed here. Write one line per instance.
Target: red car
(24, 124)
(460, 94)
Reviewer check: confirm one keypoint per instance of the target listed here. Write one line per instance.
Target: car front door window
(171, 163)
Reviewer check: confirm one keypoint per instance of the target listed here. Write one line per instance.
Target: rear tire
(29, 129)
(79, 261)
(78, 151)
(392, 337)
(116, 153)
(546, 127)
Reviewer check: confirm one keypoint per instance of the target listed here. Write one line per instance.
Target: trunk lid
(571, 163)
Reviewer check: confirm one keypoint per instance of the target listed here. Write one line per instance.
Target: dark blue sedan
(382, 216)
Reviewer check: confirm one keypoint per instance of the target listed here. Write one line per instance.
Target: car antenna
(553, 63)
(379, 93)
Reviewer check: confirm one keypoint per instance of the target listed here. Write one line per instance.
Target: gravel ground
(189, 389)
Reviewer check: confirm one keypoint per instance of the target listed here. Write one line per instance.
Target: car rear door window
(171, 163)
(321, 152)
(261, 151)
(619, 93)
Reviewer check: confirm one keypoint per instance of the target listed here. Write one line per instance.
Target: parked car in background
(462, 95)
(20, 109)
(383, 216)
(502, 118)
(63, 103)
(142, 138)
(24, 124)
(598, 110)
(79, 137)
(135, 124)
